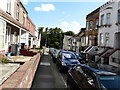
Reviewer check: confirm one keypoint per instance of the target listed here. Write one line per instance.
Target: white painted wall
(2, 34)
(3, 5)
(12, 7)
(116, 58)
(114, 19)
(66, 44)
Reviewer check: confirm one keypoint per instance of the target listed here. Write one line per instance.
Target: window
(86, 40)
(90, 40)
(97, 24)
(101, 38)
(91, 25)
(116, 60)
(69, 55)
(7, 36)
(2, 31)
(118, 16)
(9, 6)
(119, 4)
(102, 19)
(106, 39)
(23, 18)
(86, 77)
(23, 36)
(82, 39)
(87, 25)
(108, 18)
(17, 12)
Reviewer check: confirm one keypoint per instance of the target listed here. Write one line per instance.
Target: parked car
(55, 54)
(51, 51)
(80, 56)
(83, 77)
(66, 60)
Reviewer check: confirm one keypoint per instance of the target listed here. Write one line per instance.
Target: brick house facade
(15, 25)
(91, 33)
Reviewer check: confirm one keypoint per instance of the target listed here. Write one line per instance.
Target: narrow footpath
(47, 75)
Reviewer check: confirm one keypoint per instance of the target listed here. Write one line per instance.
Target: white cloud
(45, 7)
(72, 26)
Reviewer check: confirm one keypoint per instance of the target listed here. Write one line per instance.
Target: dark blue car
(81, 56)
(66, 60)
(83, 77)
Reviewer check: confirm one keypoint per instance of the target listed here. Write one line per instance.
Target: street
(47, 74)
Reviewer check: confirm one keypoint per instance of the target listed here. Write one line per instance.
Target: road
(47, 75)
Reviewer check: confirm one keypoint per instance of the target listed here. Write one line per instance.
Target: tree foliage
(53, 37)
(70, 33)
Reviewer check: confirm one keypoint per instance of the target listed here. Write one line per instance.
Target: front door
(117, 40)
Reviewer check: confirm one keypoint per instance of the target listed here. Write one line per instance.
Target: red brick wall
(24, 76)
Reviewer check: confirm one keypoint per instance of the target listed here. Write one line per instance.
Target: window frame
(96, 23)
(2, 34)
(108, 17)
(102, 19)
(87, 25)
(101, 38)
(23, 18)
(91, 25)
(17, 11)
(118, 16)
(107, 35)
(9, 6)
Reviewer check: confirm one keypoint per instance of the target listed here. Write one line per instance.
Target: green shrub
(3, 59)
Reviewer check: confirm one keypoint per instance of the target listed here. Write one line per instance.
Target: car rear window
(110, 81)
(69, 56)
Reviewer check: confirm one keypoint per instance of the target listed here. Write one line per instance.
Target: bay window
(102, 19)
(108, 18)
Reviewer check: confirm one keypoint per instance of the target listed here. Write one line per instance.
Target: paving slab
(20, 58)
(6, 70)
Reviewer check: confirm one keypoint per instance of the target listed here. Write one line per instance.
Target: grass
(4, 60)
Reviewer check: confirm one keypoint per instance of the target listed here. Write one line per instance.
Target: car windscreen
(78, 54)
(69, 56)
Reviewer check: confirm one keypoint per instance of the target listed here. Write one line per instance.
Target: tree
(40, 31)
(53, 37)
(70, 33)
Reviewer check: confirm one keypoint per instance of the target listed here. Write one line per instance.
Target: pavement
(47, 75)
(6, 70)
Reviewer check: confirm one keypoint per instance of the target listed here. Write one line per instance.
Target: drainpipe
(19, 36)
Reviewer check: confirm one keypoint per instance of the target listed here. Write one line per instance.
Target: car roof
(98, 71)
(66, 51)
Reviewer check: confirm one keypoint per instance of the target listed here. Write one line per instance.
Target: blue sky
(66, 15)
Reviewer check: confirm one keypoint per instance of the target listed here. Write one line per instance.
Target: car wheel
(68, 87)
(60, 68)
(54, 60)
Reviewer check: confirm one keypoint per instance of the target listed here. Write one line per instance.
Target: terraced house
(109, 32)
(16, 27)
(91, 33)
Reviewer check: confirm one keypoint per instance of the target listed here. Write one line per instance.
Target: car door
(84, 79)
(59, 58)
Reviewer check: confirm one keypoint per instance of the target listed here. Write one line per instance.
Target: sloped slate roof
(11, 19)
